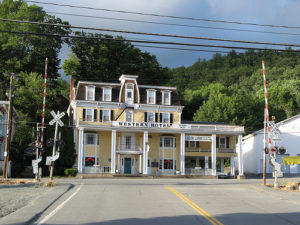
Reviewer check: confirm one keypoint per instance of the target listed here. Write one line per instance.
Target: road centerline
(59, 207)
(197, 208)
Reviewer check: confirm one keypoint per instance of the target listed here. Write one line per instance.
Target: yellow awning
(291, 160)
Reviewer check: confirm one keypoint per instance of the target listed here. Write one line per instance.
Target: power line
(151, 34)
(166, 16)
(149, 42)
(173, 24)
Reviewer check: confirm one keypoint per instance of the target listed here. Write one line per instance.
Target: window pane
(89, 161)
(166, 118)
(151, 117)
(89, 114)
(107, 94)
(151, 95)
(128, 142)
(168, 164)
(90, 139)
(129, 116)
(166, 96)
(129, 94)
(105, 115)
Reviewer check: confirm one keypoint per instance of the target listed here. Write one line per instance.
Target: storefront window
(168, 164)
(89, 161)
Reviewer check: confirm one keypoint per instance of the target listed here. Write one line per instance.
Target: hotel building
(128, 128)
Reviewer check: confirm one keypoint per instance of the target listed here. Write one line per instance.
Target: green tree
(104, 58)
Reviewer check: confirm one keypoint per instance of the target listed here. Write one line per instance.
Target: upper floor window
(129, 93)
(166, 98)
(165, 118)
(151, 96)
(107, 94)
(222, 142)
(128, 116)
(90, 93)
(167, 141)
(105, 115)
(89, 115)
(150, 117)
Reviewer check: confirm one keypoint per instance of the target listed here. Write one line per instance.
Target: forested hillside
(229, 88)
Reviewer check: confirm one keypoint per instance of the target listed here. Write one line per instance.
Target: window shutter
(100, 119)
(156, 117)
(111, 115)
(171, 117)
(83, 114)
(160, 117)
(145, 117)
(227, 142)
(95, 114)
(197, 144)
(217, 142)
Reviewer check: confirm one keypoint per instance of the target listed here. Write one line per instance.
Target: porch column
(214, 154)
(113, 151)
(240, 157)
(140, 163)
(145, 153)
(222, 165)
(173, 150)
(182, 154)
(232, 166)
(206, 162)
(80, 150)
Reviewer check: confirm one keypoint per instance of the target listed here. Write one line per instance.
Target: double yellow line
(198, 209)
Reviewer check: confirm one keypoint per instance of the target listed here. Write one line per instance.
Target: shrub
(71, 172)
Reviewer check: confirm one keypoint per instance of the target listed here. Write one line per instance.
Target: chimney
(71, 89)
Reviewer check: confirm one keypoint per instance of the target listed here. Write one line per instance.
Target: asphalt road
(162, 202)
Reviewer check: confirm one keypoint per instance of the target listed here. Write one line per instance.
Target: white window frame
(110, 94)
(163, 97)
(168, 116)
(129, 100)
(129, 112)
(109, 113)
(88, 89)
(172, 142)
(225, 142)
(154, 96)
(148, 117)
(86, 115)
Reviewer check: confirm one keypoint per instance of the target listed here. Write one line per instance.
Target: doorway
(127, 165)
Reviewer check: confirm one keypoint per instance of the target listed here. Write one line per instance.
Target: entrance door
(127, 165)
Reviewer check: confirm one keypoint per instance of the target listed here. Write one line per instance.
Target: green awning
(291, 160)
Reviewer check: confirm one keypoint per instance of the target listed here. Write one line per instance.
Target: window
(168, 164)
(167, 142)
(222, 142)
(151, 117)
(128, 116)
(90, 139)
(166, 97)
(165, 118)
(192, 144)
(107, 94)
(90, 161)
(128, 142)
(105, 115)
(151, 96)
(90, 93)
(89, 114)
(129, 93)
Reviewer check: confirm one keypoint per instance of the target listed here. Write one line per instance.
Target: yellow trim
(201, 211)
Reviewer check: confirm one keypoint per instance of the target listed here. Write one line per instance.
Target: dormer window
(151, 96)
(106, 94)
(166, 98)
(90, 93)
(129, 93)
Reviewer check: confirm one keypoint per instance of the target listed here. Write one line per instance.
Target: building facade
(127, 128)
(253, 145)
(3, 122)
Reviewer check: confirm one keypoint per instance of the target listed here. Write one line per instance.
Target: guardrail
(124, 147)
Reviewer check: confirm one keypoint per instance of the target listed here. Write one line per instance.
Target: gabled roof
(278, 124)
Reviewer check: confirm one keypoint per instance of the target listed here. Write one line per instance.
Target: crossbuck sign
(57, 118)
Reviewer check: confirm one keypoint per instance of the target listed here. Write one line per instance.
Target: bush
(71, 172)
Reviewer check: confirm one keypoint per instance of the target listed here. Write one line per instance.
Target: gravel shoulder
(16, 196)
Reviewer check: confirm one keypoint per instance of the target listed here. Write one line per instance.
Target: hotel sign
(198, 138)
(141, 124)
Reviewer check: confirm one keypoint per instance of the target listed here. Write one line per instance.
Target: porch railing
(219, 150)
(124, 147)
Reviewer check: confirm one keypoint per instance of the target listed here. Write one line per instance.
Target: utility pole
(8, 129)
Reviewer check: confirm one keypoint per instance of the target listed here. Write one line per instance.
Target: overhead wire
(149, 42)
(173, 24)
(151, 34)
(164, 16)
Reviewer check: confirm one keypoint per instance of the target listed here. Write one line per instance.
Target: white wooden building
(253, 146)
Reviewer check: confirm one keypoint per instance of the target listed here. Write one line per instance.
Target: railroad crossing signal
(57, 118)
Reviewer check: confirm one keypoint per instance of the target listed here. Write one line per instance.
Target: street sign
(35, 165)
(50, 159)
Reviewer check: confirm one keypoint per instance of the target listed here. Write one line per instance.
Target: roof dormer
(129, 92)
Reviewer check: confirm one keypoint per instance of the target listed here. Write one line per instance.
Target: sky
(275, 12)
